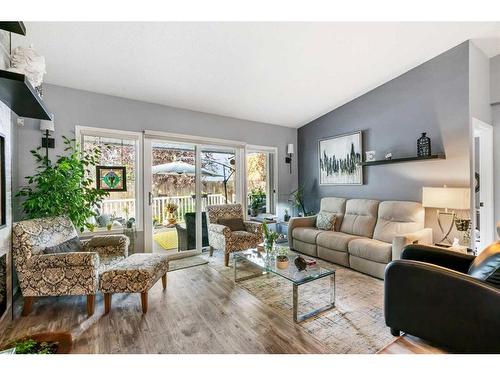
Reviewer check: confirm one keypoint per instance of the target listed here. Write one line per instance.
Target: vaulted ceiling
(280, 73)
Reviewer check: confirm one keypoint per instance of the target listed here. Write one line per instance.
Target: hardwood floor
(200, 312)
(407, 344)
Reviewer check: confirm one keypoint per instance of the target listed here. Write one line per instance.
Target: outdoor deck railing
(120, 207)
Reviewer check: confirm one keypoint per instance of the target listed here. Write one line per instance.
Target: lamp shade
(47, 125)
(445, 197)
(289, 148)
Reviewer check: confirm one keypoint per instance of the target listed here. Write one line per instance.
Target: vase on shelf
(423, 146)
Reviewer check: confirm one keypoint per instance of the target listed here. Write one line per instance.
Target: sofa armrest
(423, 236)
(220, 229)
(443, 306)
(296, 222)
(253, 227)
(114, 245)
(64, 260)
(438, 256)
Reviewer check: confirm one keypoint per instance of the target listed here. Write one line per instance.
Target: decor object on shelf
(448, 199)
(370, 155)
(47, 126)
(388, 155)
(111, 178)
(288, 159)
(300, 263)
(423, 146)
(27, 61)
(63, 187)
(338, 160)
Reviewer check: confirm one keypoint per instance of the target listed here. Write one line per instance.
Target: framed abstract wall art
(111, 178)
(338, 160)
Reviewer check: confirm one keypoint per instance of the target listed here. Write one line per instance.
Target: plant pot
(254, 212)
(64, 340)
(282, 263)
(171, 221)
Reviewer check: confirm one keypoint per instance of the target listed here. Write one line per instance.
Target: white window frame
(92, 131)
(267, 149)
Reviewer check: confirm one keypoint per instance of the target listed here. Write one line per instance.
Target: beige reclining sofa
(368, 234)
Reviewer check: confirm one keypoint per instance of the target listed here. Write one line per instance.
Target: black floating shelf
(13, 27)
(18, 94)
(403, 160)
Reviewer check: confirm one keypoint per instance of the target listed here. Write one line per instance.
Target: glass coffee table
(291, 273)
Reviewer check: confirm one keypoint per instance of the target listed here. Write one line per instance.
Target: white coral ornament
(27, 61)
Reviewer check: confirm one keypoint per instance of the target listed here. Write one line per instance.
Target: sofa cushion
(306, 234)
(360, 217)
(326, 220)
(335, 240)
(336, 206)
(374, 250)
(396, 218)
(486, 266)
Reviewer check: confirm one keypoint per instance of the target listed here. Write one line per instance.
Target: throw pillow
(326, 220)
(233, 224)
(68, 246)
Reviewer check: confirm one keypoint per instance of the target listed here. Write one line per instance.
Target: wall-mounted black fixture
(288, 159)
(47, 126)
(13, 27)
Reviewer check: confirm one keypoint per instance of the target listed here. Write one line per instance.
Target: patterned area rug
(178, 264)
(356, 324)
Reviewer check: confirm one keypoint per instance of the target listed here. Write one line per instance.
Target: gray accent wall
(432, 98)
(495, 111)
(73, 107)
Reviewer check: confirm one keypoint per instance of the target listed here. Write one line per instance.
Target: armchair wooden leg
(144, 302)
(28, 303)
(90, 304)
(226, 259)
(164, 281)
(107, 302)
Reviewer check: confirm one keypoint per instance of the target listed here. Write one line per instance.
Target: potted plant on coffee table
(282, 257)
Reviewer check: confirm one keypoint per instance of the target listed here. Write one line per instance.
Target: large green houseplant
(64, 187)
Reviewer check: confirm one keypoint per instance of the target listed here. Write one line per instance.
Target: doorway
(181, 178)
(483, 193)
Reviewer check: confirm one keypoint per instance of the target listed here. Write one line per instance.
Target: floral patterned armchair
(222, 238)
(69, 273)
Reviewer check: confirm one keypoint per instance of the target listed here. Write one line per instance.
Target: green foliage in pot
(297, 199)
(270, 236)
(31, 346)
(257, 198)
(64, 187)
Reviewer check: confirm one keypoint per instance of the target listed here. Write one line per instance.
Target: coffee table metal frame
(238, 256)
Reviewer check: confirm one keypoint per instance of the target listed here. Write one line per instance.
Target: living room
(298, 187)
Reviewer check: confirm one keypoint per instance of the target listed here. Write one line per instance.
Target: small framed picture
(111, 178)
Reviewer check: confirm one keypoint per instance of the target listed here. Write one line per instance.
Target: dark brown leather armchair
(448, 298)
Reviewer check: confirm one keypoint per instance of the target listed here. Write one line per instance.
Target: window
(261, 190)
(117, 150)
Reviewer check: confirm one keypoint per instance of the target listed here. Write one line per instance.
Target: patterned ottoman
(135, 274)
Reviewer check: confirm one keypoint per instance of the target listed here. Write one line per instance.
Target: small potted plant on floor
(282, 257)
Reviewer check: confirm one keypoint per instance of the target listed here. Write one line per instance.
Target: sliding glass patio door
(181, 179)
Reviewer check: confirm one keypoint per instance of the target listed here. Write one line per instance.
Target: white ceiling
(280, 73)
